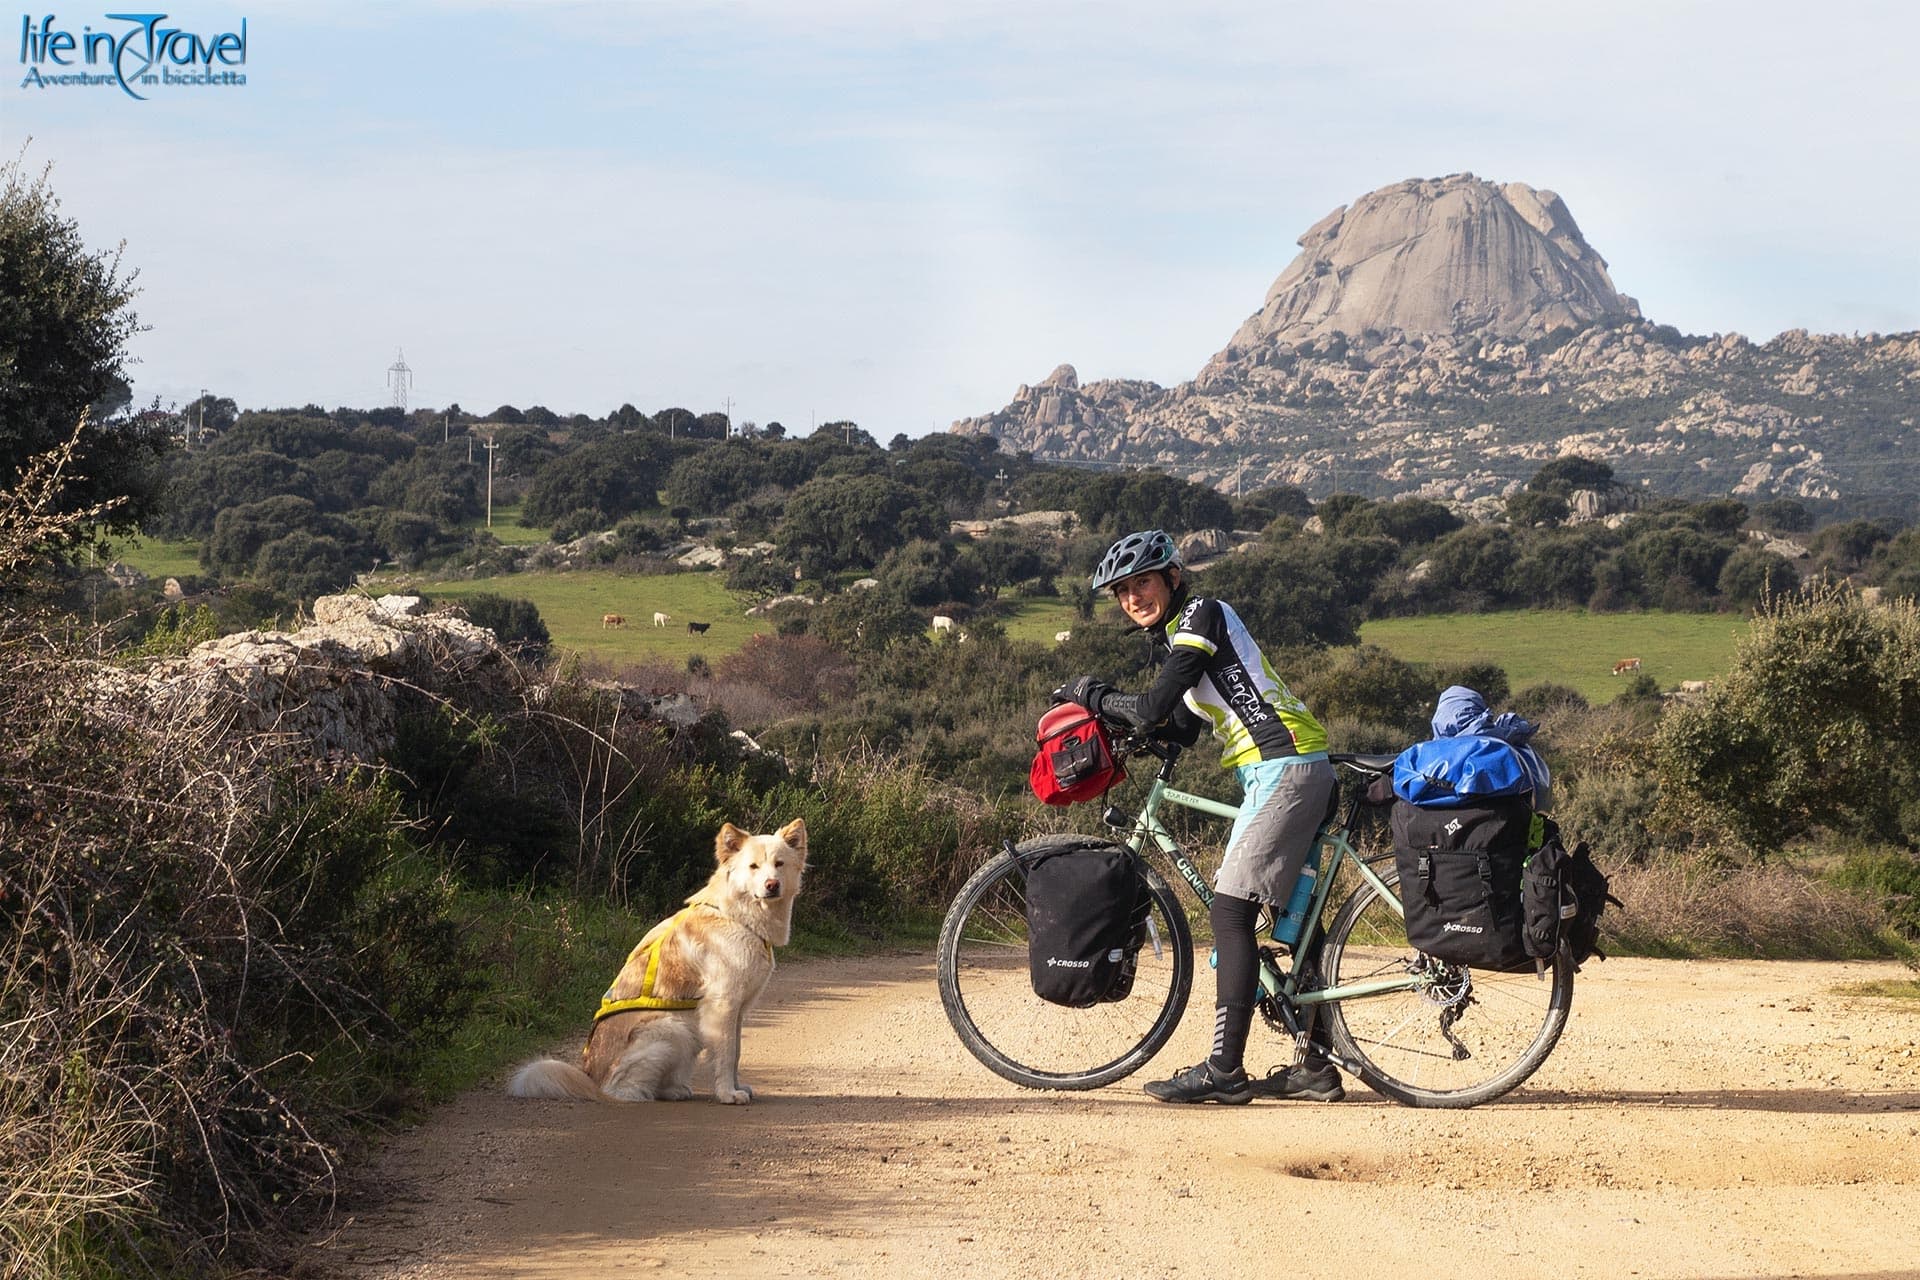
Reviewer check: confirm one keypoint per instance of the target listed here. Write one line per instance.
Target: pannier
(1087, 907)
(1563, 895)
(1460, 872)
(1074, 761)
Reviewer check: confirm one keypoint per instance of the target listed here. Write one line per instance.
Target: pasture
(1571, 647)
(159, 557)
(573, 604)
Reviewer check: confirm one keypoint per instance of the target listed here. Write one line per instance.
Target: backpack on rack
(1460, 879)
(1563, 895)
(1087, 907)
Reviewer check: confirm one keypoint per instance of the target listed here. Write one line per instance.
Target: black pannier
(1460, 871)
(1087, 908)
(1564, 895)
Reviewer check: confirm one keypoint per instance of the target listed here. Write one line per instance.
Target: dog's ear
(795, 834)
(728, 842)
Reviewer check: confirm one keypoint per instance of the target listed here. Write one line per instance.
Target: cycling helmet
(1135, 553)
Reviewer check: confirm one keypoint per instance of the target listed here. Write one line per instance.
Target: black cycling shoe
(1319, 1083)
(1204, 1084)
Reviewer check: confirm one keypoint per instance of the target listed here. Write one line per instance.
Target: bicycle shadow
(1779, 1101)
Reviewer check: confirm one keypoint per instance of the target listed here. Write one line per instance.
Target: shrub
(1816, 724)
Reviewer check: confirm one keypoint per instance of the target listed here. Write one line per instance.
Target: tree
(1782, 515)
(1566, 474)
(1285, 599)
(845, 522)
(65, 321)
(1751, 574)
(1816, 724)
(710, 481)
(1528, 507)
(925, 573)
(618, 477)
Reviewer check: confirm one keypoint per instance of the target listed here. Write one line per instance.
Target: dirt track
(1698, 1119)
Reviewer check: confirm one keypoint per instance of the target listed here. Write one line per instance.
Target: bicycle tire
(988, 996)
(1400, 1043)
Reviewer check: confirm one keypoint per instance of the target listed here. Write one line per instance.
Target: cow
(941, 622)
(1694, 686)
(614, 620)
(1061, 637)
(1625, 665)
(662, 619)
(698, 628)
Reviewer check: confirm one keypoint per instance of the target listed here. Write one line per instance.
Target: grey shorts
(1279, 815)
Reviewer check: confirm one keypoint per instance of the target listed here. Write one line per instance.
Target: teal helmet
(1135, 553)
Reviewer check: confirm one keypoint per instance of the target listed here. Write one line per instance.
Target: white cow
(1061, 637)
(662, 619)
(941, 622)
(1693, 686)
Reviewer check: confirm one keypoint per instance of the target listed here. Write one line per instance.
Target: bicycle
(1412, 1028)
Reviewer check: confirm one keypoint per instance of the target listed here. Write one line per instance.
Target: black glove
(1085, 690)
(1121, 708)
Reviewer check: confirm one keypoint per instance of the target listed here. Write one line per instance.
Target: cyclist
(1213, 674)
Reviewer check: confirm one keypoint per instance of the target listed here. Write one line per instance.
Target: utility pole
(491, 446)
(728, 402)
(445, 429)
(203, 415)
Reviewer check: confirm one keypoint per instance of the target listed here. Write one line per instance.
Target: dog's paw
(675, 1093)
(733, 1097)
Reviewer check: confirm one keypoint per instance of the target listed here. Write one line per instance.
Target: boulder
(335, 687)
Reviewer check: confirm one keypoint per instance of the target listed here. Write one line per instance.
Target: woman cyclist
(1212, 674)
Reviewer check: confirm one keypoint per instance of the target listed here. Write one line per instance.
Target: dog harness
(646, 999)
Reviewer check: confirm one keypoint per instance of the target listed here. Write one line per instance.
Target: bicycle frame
(1336, 850)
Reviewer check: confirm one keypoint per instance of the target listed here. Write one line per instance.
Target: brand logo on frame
(141, 54)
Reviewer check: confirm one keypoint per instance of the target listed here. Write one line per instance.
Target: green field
(1569, 647)
(159, 557)
(572, 604)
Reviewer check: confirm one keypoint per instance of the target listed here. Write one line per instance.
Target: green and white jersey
(1213, 665)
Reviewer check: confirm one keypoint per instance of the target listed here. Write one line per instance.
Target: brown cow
(1625, 665)
(612, 620)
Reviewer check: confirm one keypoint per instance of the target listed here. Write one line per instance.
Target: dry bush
(751, 706)
(1694, 907)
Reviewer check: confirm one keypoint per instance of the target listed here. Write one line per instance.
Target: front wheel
(988, 994)
(1456, 1038)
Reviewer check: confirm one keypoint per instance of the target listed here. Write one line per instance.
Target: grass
(1039, 619)
(1885, 989)
(159, 557)
(1571, 647)
(572, 604)
(507, 528)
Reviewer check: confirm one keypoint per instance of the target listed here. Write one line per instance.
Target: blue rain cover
(1444, 773)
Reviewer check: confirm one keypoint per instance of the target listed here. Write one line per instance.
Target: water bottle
(1287, 921)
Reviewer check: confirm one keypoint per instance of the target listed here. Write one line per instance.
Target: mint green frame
(1335, 850)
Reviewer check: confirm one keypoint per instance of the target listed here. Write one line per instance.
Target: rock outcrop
(1445, 338)
(332, 688)
(1439, 256)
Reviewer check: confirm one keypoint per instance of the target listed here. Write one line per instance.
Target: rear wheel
(1456, 1038)
(988, 995)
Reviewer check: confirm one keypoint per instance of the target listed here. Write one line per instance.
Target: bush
(1816, 724)
(515, 623)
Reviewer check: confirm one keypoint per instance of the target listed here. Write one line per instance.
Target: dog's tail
(552, 1078)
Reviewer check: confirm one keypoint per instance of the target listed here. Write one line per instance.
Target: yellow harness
(646, 999)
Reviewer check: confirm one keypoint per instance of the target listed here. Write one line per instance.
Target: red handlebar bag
(1075, 762)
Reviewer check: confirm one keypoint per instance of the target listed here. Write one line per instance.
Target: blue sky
(897, 212)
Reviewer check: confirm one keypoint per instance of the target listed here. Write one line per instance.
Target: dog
(687, 985)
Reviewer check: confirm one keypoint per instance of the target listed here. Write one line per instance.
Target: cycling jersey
(1210, 663)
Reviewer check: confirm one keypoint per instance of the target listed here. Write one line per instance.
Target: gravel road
(1699, 1119)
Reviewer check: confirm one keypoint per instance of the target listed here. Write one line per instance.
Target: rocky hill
(1446, 337)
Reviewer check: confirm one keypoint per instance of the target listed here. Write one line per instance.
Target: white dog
(689, 983)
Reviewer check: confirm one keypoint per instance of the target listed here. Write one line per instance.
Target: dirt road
(1698, 1120)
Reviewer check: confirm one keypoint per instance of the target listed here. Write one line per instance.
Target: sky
(896, 211)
